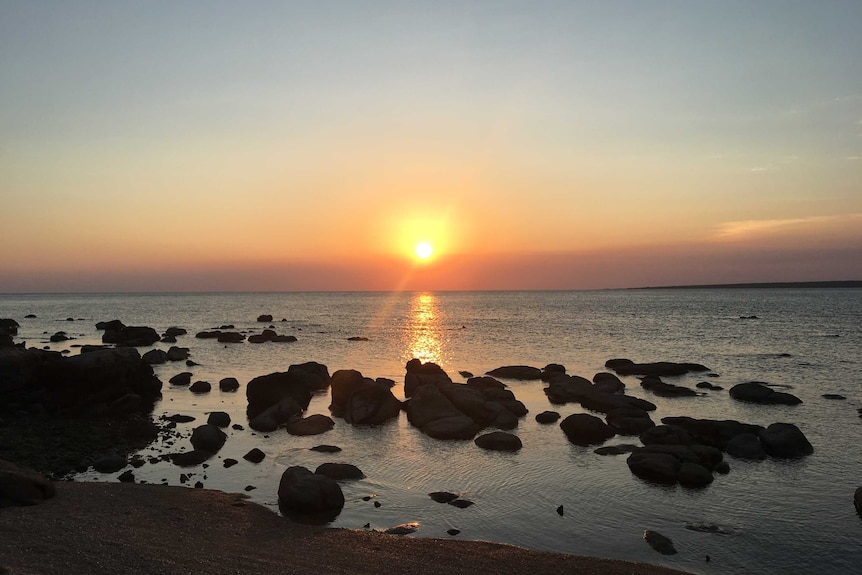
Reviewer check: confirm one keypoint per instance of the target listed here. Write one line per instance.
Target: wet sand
(130, 528)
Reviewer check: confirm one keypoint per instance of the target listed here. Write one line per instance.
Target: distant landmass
(768, 285)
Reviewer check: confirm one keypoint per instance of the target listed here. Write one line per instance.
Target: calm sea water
(784, 516)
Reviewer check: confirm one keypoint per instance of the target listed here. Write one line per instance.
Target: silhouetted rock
(666, 435)
(551, 370)
(22, 486)
(446, 497)
(434, 415)
(113, 325)
(584, 429)
(309, 497)
(620, 449)
(174, 331)
(219, 419)
(419, 374)
(785, 441)
(757, 392)
(520, 372)
(311, 425)
(660, 369)
(275, 415)
(230, 337)
(857, 500)
(255, 455)
(712, 432)
(607, 402)
(548, 417)
(179, 418)
(461, 503)
(654, 384)
(59, 337)
(659, 542)
(499, 441)
(265, 318)
(629, 420)
(208, 438)
(184, 378)
(9, 326)
(339, 471)
(200, 387)
(177, 353)
(110, 462)
(707, 385)
(325, 448)
(357, 338)
(746, 446)
(564, 388)
(690, 465)
(228, 384)
(362, 401)
(607, 383)
(837, 396)
(131, 336)
(298, 383)
(155, 356)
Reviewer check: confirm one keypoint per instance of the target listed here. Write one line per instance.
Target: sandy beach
(128, 528)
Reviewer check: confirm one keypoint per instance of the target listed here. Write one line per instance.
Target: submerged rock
(311, 425)
(659, 542)
(584, 429)
(660, 369)
(499, 441)
(446, 497)
(520, 372)
(339, 471)
(757, 392)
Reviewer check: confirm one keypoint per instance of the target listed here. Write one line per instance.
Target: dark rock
(208, 438)
(255, 455)
(757, 392)
(276, 415)
(357, 338)
(59, 336)
(465, 374)
(420, 374)
(712, 432)
(461, 503)
(168, 339)
(499, 441)
(307, 496)
(620, 449)
(707, 385)
(190, 363)
(265, 318)
(446, 497)
(584, 429)
(564, 388)
(208, 334)
(404, 529)
(174, 331)
(200, 387)
(746, 446)
(298, 383)
(666, 435)
(179, 418)
(660, 369)
(311, 425)
(177, 353)
(560, 511)
(653, 466)
(219, 419)
(833, 396)
(131, 336)
(434, 415)
(110, 463)
(339, 471)
(184, 378)
(548, 417)
(551, 370)
(113, 325)
(127, 477)
(785, 441)
(230, 337)
(155, 356)
(190, 458)
(629, 420)
(694, 475)
(486, 384)
(520, 372)
(228, 463)
(607, 402)
(237, 427)
(30, 316)
(654, 384)
(22, 486)
(453, 531)
(199, 485)
(362, 401)
(249, 488)
(608, 383)
(325, 448)
(228, 384)
(659, 542)
(857, 500)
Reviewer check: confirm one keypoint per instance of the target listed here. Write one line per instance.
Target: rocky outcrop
(155, 356)
(228, 384)
(688, 465)
(230, 337)
(309, 497)
(857, 500)
(499, 441)
(362, 401)
(208, 438)
(659, 369)
(519, 372)
(177, 353)
(270, 335)
(219, 419)
(710, 431)
(131, 336)
(200, 387)
(9, 326)
(275, 415)
(434, 415)
(584, 429)
(419, 374)
(22, 486)
(297, 383)
(608, 383)
(629, 420)
(746, 446)
(758, 392)
(564, 388)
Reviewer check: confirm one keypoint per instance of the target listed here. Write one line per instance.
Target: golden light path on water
(425, 338)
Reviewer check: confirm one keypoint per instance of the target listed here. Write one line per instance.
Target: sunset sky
(165, 146)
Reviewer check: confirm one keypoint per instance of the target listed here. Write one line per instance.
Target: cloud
(813, 226)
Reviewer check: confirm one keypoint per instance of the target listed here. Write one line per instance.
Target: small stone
(453, 532)
(199, 485)
(377, 504)
(560, 510)
(255, 455)
(230, 463)
(250, 487)
(461, 503)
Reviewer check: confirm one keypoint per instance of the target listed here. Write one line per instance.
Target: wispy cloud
(761, 229)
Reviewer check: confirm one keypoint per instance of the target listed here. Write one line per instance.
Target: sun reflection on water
(424, 329)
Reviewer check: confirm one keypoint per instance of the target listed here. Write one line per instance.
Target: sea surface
(777, 516)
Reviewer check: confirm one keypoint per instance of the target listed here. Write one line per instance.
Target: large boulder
(584, 429)
(9, 326)
(629, 420)
(275, 415)
(208, 438)
(520, 372)
(309, 497)
(339, 471)
(419, 374)
(757, 392)
(131, 336)
(746, 446)
(689, 465)
(155, 356)
(785, 441)
(564, 388)
(666, 435)
(177, 353)
(362, 401)
(655, 384)
(434, 415)
(710, 431)
(608, 383)
(298, 383)
(22, 486)
(228, 384)
(660, 369)
(607, 402)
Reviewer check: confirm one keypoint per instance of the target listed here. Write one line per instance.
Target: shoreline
(134, 528)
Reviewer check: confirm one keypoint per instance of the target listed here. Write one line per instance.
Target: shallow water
(792, 516)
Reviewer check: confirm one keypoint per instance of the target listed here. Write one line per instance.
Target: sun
(424, 250)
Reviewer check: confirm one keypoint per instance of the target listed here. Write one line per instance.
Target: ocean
(792, 516)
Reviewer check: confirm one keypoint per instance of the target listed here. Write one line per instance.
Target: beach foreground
(130, 528)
